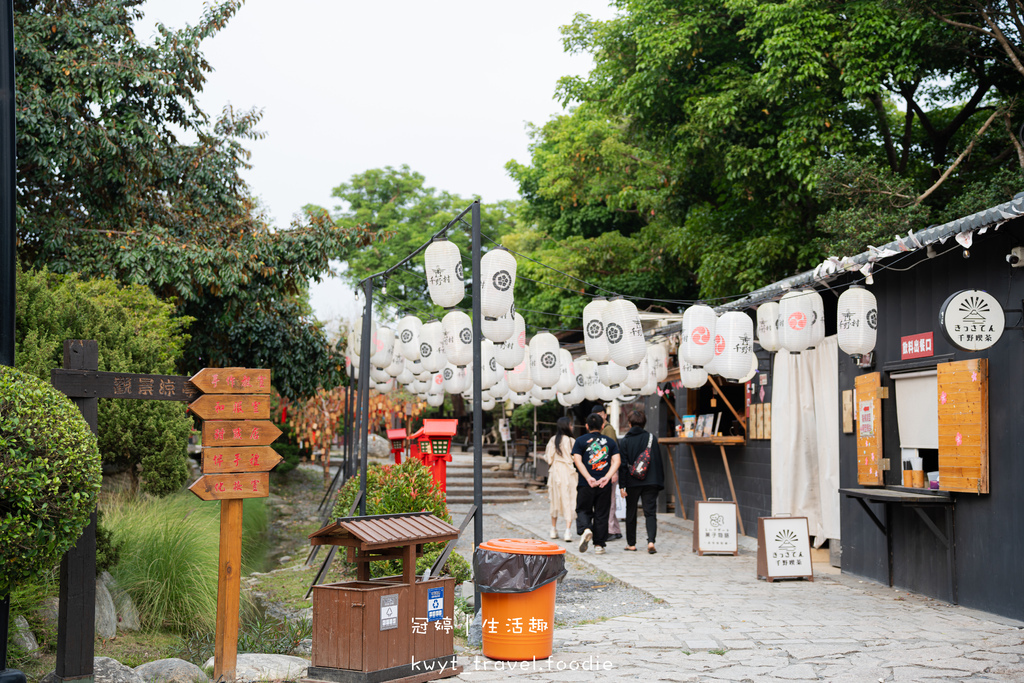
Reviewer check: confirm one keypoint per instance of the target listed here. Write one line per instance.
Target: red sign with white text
(917, 346)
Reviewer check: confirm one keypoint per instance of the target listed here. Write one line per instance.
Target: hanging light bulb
(737, 331)
(593, 330)
(512, 351)
(458, 338)
(768, 326)
(407, 336)
(432, 352)
(443, 262)
(795, 311)
(566, 372)
(699, 334)
(624, 332)
(544, 359)
(857, 321)
(497, 281)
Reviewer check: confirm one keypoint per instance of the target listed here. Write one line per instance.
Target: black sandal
(651, 550)
(631, 549)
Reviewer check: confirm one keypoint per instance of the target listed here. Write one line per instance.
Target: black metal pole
(346, 451)
(478, 415)
(364, 388)
(8, 242)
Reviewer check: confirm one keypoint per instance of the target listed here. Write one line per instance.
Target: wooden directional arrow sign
(251, 459)
(232, 407)
(219, 433)
(232, 381)
(232, 486)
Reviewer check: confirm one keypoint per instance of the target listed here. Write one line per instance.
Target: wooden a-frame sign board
(234, 468)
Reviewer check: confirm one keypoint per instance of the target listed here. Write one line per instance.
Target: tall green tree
(106, 186)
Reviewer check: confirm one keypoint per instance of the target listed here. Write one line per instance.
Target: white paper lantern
(817, 320)
(435, 400)
(737, 332)
(443, 262)
(534, 401)
(638, 376)
(519, 379)
(453, 379)
(751, 372)
(565, 400)
(414, 366)
(458, 338)
(357, 336)
(624, 332)
(500, 329)
(512, 351)
(436, 384)
(587, 370)
(543, 393)
(566, 372)
(499, 388)
(490, 371)
(857, 321)
(487, 403)
(795, 311)
(544, 361)
(520, 397)
(611, 374)
(432, 352)
(658, 359)
(385, 387)
(593, 331)
(768, 326)
(397, 362)
(406, 378)
(383, 346)
(407, 337)
(691, 377)
(606, 394)
(698, 348)
(378, 374)
(498, 278)
(651, 386)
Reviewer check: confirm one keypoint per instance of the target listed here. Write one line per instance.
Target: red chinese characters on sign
(917, 346)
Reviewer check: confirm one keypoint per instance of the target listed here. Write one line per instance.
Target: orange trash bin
(517, 579)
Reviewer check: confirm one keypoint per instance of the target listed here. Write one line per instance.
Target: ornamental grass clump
(49, 476)
(396, 489)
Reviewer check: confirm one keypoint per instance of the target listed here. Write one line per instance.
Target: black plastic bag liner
(497, 572)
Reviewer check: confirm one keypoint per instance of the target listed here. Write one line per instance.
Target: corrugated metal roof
(376, 532)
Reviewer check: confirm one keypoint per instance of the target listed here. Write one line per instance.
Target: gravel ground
(585, 594)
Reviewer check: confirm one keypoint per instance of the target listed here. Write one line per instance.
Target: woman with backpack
(561, 477)
(641, 477)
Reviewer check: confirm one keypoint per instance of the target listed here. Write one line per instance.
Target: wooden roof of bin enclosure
(378, 532)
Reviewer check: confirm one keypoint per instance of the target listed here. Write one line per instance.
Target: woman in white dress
(562, 477)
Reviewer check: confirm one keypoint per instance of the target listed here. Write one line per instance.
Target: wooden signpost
(237, 459)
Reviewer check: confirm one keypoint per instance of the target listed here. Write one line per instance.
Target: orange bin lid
(522, 546)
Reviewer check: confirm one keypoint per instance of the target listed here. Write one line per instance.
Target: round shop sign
(972, 320)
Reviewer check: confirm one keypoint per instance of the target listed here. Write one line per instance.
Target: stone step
(468, 500)
(490, 492)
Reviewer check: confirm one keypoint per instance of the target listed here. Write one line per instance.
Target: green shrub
(170, 556)
(394, 489)
(108, 551)
(136, 332)
(49, 476)
(455, 566)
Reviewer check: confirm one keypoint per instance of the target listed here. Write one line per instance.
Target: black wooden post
(76, 622)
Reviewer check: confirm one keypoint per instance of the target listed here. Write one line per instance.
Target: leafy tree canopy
(108, 186)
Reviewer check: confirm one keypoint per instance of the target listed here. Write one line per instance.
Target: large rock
(22, 636)
(378, 447)
(48, 611)
(107, 670)
(171, 671)
(256, 667)
(106, 613)
(127, 614)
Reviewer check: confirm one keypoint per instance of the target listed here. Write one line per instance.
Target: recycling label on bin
(388, 612)
(435, 604)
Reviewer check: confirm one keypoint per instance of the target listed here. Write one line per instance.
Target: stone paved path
(719, 622)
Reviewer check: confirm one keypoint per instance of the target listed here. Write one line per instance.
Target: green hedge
(49, 476)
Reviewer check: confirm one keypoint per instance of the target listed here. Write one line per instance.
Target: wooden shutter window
(963, 426)
(870, 464)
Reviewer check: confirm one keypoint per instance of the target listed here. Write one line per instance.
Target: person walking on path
(597, 460)
(614, 530)
(562, 477)
(636, 488)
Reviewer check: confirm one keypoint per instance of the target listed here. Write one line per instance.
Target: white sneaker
(599, 550)
(568, 534)
(554, 532)
(585, 540)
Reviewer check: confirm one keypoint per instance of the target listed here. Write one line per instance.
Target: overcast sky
(445, 87)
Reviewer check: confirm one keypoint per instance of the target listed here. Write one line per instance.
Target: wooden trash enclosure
(385, 629)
